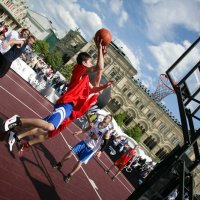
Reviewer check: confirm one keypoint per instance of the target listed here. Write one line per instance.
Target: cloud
(150, 67)
(70, 15)
(163, 16)
(117, 8)
(147, 81)
(134, 59)
(152, 1)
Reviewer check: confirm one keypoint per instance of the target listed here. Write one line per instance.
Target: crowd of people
(12, 46)
(140, 164)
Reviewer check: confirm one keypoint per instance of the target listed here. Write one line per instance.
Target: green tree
(119, 118)
(66, 71)
(55, 60)
(41, 47)
(135, 133)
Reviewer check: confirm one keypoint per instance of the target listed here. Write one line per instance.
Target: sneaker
(11, 140)
(106, 171)
(23, 147)
(57, 166)
(12, 122)
(67, 178)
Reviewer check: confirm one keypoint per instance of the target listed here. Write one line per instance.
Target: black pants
(4, 65)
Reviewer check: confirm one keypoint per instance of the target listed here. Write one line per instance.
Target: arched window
(128, 119)
(149, 115)
(124, 89)
(91, 52)
(141, 107)
(154, 119)
(112, 74)
(129, 94)
(137, 102)
(114, 105)
(161, 154)
(150, 142)
(117, 78)
(162, 126)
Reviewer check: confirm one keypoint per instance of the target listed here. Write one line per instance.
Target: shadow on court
(45, 191)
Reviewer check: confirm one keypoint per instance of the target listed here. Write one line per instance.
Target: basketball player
(123, 160)
(86, 149)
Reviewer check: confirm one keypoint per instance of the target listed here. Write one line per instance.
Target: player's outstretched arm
(100, 63)
(83, 130)
(101, 87)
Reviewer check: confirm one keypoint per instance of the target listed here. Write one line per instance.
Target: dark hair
(31, 36)
(83, 56)
(25, 29)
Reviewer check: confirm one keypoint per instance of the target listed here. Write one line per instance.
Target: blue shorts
(59, 114)
(83, 152)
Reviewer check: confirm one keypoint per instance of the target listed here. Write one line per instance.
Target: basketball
(105, 35)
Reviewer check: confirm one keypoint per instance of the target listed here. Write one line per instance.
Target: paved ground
(32, 176)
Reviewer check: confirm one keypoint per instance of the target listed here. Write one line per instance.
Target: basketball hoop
(163, 88)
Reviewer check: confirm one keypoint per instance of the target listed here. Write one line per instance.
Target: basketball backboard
(185, 73)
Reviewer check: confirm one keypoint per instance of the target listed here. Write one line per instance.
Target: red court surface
(32, 177)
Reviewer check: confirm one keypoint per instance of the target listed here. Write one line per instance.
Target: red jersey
(78, 89)
(128, 155)
(121, 162)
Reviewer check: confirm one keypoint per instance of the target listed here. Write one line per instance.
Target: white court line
(40, 117)
(19, 100)
(29, 85)
(61, 135)
(29, 93)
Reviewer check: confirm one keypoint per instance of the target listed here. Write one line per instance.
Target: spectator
(3, 31)
(11, 34)
(123, 160)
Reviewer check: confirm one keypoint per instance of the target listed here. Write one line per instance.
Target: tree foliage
(119, 118)
(55, 60)
(41, 47)
(67, 71)
(135, 133)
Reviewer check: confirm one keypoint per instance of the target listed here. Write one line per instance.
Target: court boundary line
(30, 94)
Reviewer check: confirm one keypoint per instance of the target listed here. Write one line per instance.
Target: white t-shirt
(10, 34)
(95, 136)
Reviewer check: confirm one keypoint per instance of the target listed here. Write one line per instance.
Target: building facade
(70, 44)
(13, 12)
(41, 27)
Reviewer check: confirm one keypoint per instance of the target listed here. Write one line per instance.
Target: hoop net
(163, 88)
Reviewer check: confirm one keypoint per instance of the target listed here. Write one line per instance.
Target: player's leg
(76, 150)
(118, 172)
(60, 113)
(74, 170)
(108, 170)
(66, 157)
